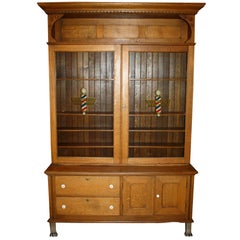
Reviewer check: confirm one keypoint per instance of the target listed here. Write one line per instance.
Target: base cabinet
(120, 194)
(153, 196)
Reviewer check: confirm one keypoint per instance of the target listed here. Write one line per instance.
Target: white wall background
(24, 130)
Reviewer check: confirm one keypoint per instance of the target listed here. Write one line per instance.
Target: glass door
(155, 116)
(86, 81)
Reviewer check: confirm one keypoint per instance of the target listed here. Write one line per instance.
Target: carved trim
(103, 8)
(52, 19)
(96, 12)
(190, 20)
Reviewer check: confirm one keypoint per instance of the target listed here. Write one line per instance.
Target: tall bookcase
(121, 88)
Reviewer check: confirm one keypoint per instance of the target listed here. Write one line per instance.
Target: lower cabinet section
(114, 195)
(125, 195)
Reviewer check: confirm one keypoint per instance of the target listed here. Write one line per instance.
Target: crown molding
(117, 9)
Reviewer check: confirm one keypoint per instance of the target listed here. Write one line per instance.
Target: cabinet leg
(53, 231)
(188, 229)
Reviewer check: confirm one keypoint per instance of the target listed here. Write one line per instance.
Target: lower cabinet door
(160, 195)
(73, 206)
(171, 195)
(138, 195)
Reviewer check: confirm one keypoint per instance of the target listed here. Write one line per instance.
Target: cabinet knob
(111, 207)
(63, 186)
(64, 206)
(111, 186)
(157, 195)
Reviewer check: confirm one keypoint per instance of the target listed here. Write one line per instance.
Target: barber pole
(84, 101)
(158, 99)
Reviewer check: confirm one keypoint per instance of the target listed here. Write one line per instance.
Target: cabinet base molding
(119, 219)
(53, 232)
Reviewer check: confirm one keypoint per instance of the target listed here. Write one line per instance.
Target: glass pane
(152, 132)
(85, 82)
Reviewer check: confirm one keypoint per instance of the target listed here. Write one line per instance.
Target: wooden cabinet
(121, 87)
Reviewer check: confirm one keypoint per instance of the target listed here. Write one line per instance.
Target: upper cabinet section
(121, 23)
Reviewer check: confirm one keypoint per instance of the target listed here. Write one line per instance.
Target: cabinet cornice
(117, 9)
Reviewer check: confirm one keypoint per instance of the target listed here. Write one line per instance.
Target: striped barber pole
(158, 99)
(84, 101)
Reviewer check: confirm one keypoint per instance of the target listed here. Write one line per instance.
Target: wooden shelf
(88, 114)
(158, 130)
(98, 145)
(157, 79)
(84, 130)
(162, 145)
(84, 79)
(154, 114)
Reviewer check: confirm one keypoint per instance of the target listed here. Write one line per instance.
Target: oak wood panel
(162, 30)
(69, 33)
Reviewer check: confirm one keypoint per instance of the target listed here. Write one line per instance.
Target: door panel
(171, 193)
(154, 104)
(85, 108)
(138, 195)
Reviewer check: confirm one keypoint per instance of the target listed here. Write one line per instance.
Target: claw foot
(54, 234)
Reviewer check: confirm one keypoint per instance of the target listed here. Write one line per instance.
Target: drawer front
(87, 206)
(91, 186)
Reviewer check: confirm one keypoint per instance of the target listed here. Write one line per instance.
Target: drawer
(91, 186)
(87, 206)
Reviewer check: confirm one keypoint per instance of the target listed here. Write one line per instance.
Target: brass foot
(188, 229)
(53, 232)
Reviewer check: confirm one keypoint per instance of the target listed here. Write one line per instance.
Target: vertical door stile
(53, 110)
(125, 104)
(117, 104)
(189, 97)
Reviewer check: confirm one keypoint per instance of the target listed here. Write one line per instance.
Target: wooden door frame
(116, 122)
(125, 103)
